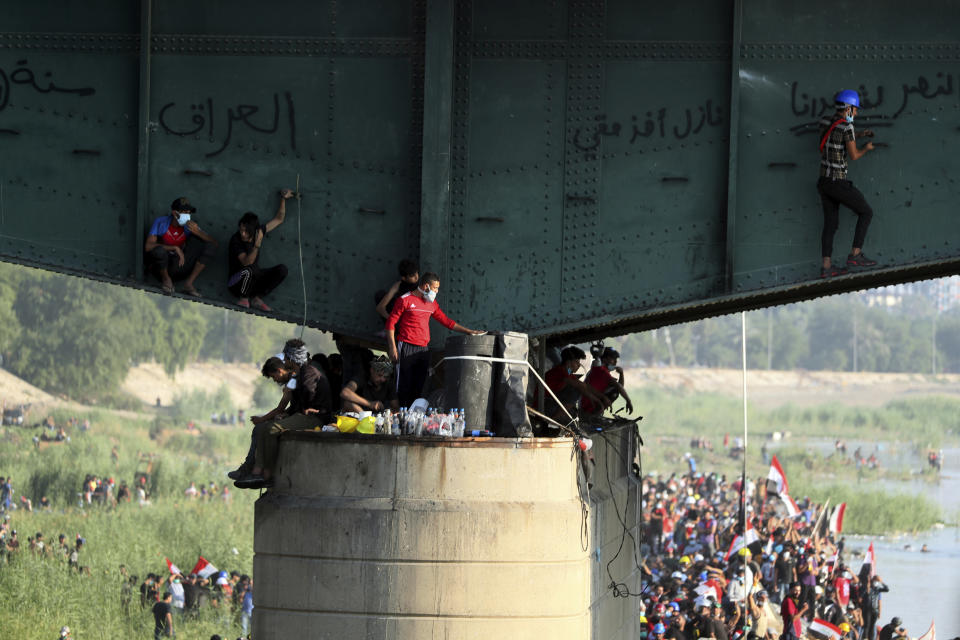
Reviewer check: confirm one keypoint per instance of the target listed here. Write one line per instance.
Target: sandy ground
(802, 388)
(14, 391)
(149, 382)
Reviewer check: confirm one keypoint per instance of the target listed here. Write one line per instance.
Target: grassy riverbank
(39, 593)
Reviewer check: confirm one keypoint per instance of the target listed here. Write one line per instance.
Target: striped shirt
(833, 158)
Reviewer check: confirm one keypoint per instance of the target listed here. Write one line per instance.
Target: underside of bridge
(571, 168)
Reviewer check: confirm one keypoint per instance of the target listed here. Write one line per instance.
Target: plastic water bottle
(446, 428)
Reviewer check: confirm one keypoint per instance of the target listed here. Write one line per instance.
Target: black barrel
(469, 383)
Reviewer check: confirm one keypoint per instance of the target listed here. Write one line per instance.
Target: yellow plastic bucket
(346, 424)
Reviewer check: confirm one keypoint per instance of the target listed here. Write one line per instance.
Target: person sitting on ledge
(373, 394)
(177, 248)
(310, 407)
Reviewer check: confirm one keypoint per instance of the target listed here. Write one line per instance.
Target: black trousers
(194, 250)
(869, 623)
(412, 370)
(253, 281)
(833, 193)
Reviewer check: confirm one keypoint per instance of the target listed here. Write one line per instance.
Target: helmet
(848, 98)
(844, 627)
(659, 628)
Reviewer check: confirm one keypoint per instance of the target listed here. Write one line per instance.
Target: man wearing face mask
(177, 248)
(601, 379)
(410, 321)
(837, 142)
(568, 388)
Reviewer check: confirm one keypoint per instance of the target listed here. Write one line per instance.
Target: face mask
(183, 218)
(848, 118)
(429, 295)
(612, 367)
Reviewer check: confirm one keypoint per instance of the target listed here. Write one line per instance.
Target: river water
(923, 586)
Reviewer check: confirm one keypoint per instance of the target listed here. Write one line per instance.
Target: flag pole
(743, 472)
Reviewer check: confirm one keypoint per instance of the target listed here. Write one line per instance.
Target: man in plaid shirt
(837, 142)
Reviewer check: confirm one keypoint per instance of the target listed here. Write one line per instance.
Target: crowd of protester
(173, 597)
(169, 595)
(702, 577)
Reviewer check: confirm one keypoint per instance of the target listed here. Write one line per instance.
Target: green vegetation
(814, 335)
(39, 594)
(78, 338)
(872, 512)
(926, 421)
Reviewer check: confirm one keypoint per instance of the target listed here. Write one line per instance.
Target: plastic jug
(368, 425)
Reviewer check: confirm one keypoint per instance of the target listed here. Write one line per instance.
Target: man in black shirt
(871, 605)
(893, 630)
(247, 280)
(375, 393)
(310, 407)
(163, 620)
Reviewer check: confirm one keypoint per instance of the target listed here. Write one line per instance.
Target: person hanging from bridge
(178, 249)
(410, 321)
(837, 143)
(248, 281)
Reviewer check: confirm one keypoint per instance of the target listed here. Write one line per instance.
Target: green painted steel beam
(733, 166)
(143, 131)
(437, 131)
(568, 166)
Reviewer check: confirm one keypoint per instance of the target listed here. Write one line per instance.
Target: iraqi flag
(868, 568)
(203, 568)
(931, 633)
(174, 569)
(739, 542)
(836, 518)
(823, 630)
(776, 479)
(792, 509)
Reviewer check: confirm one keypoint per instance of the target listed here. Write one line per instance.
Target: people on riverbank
(774, 582)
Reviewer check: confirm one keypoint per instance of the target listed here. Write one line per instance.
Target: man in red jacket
(408, 336)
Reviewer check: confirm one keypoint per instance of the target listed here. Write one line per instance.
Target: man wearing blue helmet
(837, 143)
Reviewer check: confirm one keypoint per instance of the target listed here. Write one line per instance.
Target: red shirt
(557, 378)
(411, 317)
(788, 612)
(599, 378)
(174, 237)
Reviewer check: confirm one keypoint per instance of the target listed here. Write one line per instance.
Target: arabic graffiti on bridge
(201, 115)
(664, 123)
(803, 103)
(25, 76)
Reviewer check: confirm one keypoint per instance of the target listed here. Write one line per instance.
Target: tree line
(78, 338)
(840, 333)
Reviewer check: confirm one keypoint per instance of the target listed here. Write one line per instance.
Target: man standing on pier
(408, 336)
